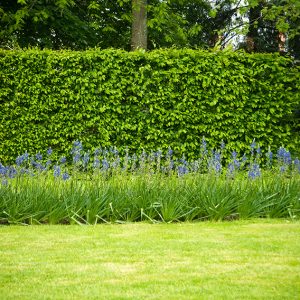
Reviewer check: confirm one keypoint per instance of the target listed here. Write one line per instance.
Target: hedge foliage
(149, 100)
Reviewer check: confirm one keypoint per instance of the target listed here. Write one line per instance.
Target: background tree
(112, 22)
(263, 23)
(139, 25)
(255, 25)
(43, 23)
(286, 15)
(61, 24)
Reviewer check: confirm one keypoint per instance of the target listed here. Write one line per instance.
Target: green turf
(257, 259)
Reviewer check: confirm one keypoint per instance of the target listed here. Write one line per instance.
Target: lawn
(257, 259)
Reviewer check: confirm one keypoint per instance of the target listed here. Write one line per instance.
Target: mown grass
(256, 259)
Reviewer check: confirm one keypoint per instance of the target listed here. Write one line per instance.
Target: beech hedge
(146, 100)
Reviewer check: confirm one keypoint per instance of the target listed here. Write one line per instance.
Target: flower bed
(106, 186)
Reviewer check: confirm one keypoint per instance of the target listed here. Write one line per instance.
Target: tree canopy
(255, 25)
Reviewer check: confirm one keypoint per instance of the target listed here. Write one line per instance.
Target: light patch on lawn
(119, 268)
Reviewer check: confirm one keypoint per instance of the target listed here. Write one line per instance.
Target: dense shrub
(146, 100)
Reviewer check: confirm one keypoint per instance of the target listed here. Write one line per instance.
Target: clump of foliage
(105, 186)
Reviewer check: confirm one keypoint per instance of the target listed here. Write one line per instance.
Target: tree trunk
(252, 35)
(139, 25)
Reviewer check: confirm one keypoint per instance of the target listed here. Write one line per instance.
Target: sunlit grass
(256, 259)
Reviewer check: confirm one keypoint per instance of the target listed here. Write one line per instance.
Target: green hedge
(146, 100)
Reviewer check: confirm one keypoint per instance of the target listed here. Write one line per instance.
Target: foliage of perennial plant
(108, 186)
(149, 100)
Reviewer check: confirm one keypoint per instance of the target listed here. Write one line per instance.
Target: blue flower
(254, 171)
(217, 156)
(182, 170)
(183, 161)
(22, 158)
(4, 182)
(105, 152)
(11, 172)
(97, 151)
(234, 155)
(216, 161)
(158, 154)
(24, 171)
(222, 145)
(105, 164)
(170, 152)
(77, 144)
(65, 176)
(113, 151)
(203, 146)
(39, 156)
(236, 163)
(37, 165)
(252, 146)
(280, 153)
(86, 159)
(231, 168)
(56, 171)
(171, 164)
(76, 158)
(40, 167)
(115, 164)
(269, 155)
(96, 163)
(284, 156)
(63, 160)
(19, 160)
(251, 174)
(244, 158)
(77, 147)
(49, 151)
(297, 164)
(218, 167)
(3, 170)
(282, 169)
(287, 159)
